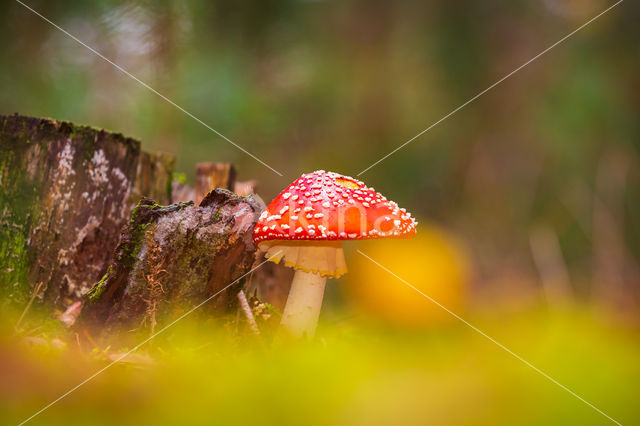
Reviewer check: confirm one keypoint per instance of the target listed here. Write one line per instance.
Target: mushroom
(305, 225)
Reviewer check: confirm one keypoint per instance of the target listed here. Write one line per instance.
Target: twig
(78, 341)
(89, 338)
(33, 296)
(247, 312)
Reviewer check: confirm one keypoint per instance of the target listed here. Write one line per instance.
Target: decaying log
(271, 282)
(210, 176)
(170, 259)
(65, 193)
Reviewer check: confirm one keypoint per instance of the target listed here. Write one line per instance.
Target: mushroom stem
(301, 312)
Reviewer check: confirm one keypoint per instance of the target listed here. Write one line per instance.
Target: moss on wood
(66, 190)
(194, 251)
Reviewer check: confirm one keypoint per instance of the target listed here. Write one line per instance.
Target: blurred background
(529, 197)
(539, 176)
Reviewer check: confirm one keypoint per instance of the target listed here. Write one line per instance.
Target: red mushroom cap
(329, 206)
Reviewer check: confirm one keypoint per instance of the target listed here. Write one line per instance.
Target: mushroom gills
(324, 258)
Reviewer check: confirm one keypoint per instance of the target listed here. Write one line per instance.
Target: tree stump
(213, 175)
(172, 258)
(246, 188)
(65, 193)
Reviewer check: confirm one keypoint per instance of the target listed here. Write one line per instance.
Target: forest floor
(354, 372)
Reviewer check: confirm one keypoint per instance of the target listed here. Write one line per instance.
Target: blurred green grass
(355, 373)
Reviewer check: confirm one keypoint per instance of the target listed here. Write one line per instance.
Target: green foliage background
(306, 85)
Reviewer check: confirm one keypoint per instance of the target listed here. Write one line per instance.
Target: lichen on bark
(65, 193)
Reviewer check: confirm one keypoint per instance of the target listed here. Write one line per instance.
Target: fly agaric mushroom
(306, 224)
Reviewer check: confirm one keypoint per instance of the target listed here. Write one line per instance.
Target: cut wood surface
(66, 191)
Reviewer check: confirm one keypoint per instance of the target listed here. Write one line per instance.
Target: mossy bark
(65, 193)
(170, 259)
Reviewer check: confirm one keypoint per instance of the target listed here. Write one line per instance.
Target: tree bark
(270, 283)
(172, 258)
(65, 193)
